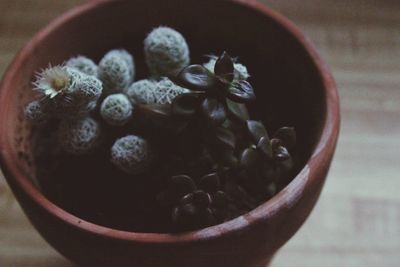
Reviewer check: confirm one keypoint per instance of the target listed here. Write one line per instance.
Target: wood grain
(357, 220)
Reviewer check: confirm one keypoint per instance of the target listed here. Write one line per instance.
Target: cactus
(167, 91)
(131, 154)
(151, 92)
(83, 64)
(67, 91)
(81, 96)
(166, 51)
(36, 112)
(79, 135)
(142, 91)
(116, 71)
(116, 109)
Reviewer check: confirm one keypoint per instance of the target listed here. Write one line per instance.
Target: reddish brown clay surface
(293, 87)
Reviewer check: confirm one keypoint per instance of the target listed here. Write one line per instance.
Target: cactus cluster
(188, 124)
(72, 94)
(66, 92)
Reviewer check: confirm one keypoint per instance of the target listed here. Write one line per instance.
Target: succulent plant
(194, 205)
(216, 101)
(229, 190)
(217, 96)
(116, 70)
(79, 136)
(222, 144)
(83, 64)
(131, 154)
(249, 161)
(240, 71)
(166, 51)
(116, 109)
(271, 155)
(36, 112)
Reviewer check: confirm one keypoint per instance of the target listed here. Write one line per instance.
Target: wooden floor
(357, 220)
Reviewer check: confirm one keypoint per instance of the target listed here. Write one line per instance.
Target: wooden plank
(356, 221)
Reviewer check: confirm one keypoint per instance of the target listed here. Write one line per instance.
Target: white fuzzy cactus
(116, 109)
(85, 87)
(68, 91)
(79, 136)
(81, 96)
(154, 92)
(37, 113)
(131, 154)
(116, 71)
(83, 64)
(166, 51)
(240, 72)
(167, 91)
(142, 92)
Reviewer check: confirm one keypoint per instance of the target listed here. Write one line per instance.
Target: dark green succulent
(217, 96)
(216, 101)
(195, 205)
(270, 154)
(243, 164)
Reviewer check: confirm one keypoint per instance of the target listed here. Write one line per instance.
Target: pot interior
(287, 83)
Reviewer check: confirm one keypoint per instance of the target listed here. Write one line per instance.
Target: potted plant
(96, 216)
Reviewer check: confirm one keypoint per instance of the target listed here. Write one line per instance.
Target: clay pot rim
(284, 200)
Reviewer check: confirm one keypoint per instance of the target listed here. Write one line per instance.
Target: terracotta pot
(292, 84)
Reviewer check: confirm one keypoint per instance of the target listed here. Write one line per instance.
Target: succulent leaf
(224, 67)
(225, 137)
(183, 183)
(281, 153)
(197, 78)
(287, 135)
(186, 104)
(256, 130)
(264, 147)
(214, 111)
(237, 110)
(241, 91)
(201, 199)
(156, 110)
(248, 158)
(210, 182)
